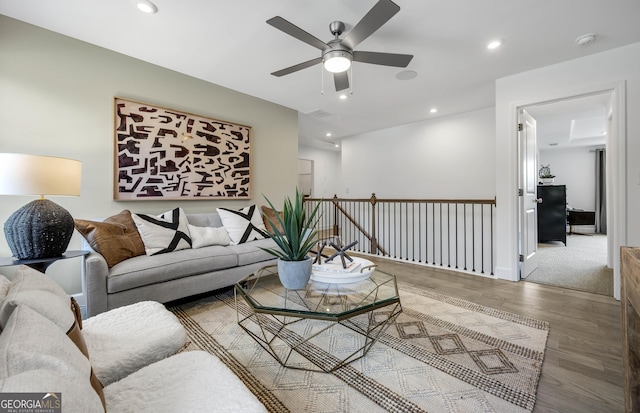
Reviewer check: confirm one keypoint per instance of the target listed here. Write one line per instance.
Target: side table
(41, 264)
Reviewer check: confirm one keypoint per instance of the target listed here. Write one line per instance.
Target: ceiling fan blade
(386, 59)
(372, 21)
(293, 30)
(297, 67)
(341, 80)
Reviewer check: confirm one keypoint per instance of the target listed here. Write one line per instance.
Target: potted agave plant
(295, 234)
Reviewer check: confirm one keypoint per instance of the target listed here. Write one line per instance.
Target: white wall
(56, 98)
(448, 157)
(611, 70)
(326, 170)
(575, 168)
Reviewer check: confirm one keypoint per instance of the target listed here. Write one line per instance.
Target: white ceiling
(571, 122)
(229, 43)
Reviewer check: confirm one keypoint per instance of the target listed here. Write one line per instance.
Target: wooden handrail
(374, 200)
(458, 233)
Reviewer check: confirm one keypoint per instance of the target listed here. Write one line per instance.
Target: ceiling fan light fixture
(337, 61)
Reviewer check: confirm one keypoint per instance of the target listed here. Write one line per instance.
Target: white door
(527, 181)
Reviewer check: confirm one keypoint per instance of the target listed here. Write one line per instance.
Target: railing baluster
(466, 242)
(449, 235)
(401, 229)
(419, 232)
(473, 238)
(491, 243)
(456, 222)
(482, 238)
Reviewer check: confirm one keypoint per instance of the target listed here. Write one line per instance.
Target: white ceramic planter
(294, 275)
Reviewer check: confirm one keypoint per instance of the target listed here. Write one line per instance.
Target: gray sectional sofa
(171, 276)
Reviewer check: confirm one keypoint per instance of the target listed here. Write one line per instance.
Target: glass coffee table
(319, 328)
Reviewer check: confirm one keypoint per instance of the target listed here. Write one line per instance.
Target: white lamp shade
(22, 174)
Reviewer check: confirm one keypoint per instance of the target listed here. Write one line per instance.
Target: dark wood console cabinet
(630, 303)
(552, 213)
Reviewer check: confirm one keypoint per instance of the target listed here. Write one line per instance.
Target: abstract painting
(164, 154)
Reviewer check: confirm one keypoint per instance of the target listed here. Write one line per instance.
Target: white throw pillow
(243, 225)
(165, 233)
(205, 236)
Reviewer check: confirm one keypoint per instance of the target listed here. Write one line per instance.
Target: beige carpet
(442, 355)
(580, 265)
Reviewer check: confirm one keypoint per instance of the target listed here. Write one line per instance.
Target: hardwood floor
(582, 370)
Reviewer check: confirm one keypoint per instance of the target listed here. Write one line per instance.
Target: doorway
(305, 177)
(571, 134)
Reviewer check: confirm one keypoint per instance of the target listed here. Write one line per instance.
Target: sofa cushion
(145, 270)
(76, 393)
(205, 236)
(116, 238)
(4, 287)
(125, 339)
(243, 225)
(40, 293)
(252, 252)
(165, 233)
(193, 381)
(31, 342)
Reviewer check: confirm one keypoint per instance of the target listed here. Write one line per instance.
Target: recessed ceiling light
(433, 110)
(406, 75)
(328, 134)
(586, 39)
(145, 6)
(343, 96)
(494, 44)
(336, 145)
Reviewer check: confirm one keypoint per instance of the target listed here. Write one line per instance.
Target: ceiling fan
(337, 54)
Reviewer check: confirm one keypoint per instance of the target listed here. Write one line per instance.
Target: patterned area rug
(441, 355)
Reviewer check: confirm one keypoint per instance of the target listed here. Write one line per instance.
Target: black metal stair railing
(451, 233)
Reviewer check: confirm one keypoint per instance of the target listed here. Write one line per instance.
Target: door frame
(616, 160)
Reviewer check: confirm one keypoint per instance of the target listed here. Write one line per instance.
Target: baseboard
(506, 273)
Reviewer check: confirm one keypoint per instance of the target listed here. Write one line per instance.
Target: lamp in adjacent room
(42, 228)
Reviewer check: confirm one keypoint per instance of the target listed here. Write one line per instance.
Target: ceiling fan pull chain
(322, 80)
(351, 83)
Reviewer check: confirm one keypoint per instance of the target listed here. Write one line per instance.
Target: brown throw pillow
(116, 238)
(271, 214)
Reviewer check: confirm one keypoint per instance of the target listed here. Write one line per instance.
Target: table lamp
(42, 228)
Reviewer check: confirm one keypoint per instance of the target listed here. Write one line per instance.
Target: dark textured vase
(40, 229)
